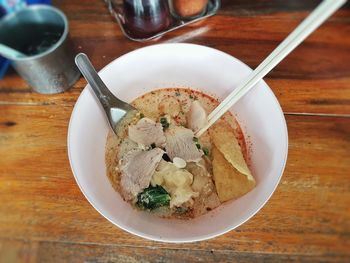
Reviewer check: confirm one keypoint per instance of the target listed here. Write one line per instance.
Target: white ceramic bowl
(178, 65)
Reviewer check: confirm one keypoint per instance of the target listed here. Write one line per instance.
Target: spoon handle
(107, 99)
(10, 53)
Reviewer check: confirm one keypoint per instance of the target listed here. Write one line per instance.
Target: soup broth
(175, 104)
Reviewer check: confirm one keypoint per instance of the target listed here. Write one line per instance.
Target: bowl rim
(199, 237)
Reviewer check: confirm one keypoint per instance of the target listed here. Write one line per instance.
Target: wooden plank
(238, 7)
(13, 251)
(310, 80)
(308, 214)
(295, 96)
(45, 218)
(43, 251)
(251, 8)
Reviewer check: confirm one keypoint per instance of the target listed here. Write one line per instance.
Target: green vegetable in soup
(196, 141)
(205, 151)
(164, 122)
(153, 197)
(180, 210)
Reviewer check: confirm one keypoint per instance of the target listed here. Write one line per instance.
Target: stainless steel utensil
(9, 52)
(41, 33)
(118, 112)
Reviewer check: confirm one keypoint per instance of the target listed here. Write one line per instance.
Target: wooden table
(44, 217)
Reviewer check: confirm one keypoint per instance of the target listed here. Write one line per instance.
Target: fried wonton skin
(231, 173)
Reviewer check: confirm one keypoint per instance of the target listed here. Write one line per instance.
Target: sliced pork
(196, 116)
(126, 146)
(179, 143)
(147, 132)
(137, 168)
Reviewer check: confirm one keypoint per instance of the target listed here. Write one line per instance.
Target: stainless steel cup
(48, 72)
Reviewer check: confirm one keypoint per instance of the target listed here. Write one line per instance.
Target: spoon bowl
(117, 111)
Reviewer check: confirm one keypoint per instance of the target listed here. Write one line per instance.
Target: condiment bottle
(188, 9)
(144, 18)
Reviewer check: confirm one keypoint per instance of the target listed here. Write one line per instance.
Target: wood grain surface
(45, 218)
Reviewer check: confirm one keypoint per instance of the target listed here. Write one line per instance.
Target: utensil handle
(310, 24)
(10, 53)
(101, 91)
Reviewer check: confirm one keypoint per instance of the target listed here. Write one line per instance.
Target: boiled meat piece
(147, 132)
(126, 146)
(179, 143)
(137, 168)
(196, 116)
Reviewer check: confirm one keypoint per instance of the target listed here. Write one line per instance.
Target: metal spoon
(10, 53)
(118, 112)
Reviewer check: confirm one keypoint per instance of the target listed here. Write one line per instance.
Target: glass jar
(144, 18)
(188, 9)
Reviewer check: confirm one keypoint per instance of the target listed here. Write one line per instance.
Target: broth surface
(174, 102)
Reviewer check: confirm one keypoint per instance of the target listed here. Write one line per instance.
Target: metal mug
(53, 70)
